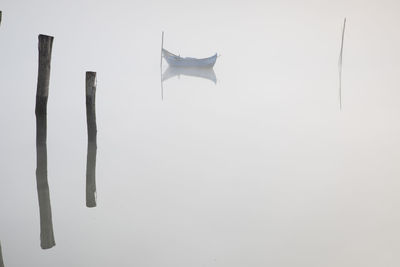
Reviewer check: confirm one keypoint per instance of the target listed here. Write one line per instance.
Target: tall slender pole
(42, 93)
(162, 47)
(340, 64)
(92, 139)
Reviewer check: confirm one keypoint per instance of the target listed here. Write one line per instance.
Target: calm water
(261, 168)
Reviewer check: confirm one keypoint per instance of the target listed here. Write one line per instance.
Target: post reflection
(91, 175)
(46, 223)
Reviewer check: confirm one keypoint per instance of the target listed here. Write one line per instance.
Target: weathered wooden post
(42, 92)
(92, 139)
(1, 258)
(0, 16)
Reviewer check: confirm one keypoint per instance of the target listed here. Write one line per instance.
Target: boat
(178, 61)
(205, 73)
(189, 66)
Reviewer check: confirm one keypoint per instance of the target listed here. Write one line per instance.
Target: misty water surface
(261, 168)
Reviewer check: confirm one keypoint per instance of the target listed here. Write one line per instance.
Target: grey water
(262, 168)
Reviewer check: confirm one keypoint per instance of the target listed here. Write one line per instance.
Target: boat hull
(177, 61)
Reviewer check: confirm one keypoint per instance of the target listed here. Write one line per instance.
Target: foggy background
(261, 169)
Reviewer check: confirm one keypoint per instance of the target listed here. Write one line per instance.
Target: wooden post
(92, 139)
(46, 222)
(1, 258)
(0, 24)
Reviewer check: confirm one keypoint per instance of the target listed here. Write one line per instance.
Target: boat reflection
(204, 73)
(1, 258)
(46, 222)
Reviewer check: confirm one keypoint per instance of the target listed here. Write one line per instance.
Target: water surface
(262, 168)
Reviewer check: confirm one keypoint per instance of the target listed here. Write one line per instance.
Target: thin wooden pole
(1, 258)
(46, 222)
(92, 139)
(340, 64)
(162, 47)
(1, 14)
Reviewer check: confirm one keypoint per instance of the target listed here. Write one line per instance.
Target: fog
(253, 163)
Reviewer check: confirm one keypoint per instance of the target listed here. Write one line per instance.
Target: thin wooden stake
(340, 64)
(0, 24)
(92, 139)
(46, 222)
(162, 46)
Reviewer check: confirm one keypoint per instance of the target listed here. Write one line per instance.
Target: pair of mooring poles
(46, 225)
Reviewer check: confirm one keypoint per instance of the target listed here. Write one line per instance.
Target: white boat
(178, 61)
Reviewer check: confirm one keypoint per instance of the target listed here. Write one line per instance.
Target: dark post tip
(44, 36)
(90, 83)
(45, 43)
(91, 76)
(48, 40)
